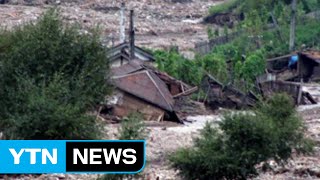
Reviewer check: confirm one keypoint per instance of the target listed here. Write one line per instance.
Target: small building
(309, 65)
(140, 88)
(306, 67)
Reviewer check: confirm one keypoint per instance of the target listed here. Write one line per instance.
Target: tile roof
(147, 86)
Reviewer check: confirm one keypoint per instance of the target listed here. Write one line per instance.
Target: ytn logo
(32, 152)
(63, 156)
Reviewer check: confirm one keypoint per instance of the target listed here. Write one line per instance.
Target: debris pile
(141, 88)
(292, 74)
(227, 96)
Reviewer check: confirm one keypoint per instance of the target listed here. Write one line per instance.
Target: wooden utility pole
(293, 25)
(132, 33)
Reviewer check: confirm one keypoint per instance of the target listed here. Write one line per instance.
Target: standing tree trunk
(293, 25)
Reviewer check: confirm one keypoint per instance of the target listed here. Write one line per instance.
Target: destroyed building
(138, 86)
(141, 88)
(293, 89)
(219, 95)
(306, 67)
(287, 76)
(309, 65)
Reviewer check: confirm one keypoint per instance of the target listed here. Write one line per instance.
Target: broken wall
(127, 104)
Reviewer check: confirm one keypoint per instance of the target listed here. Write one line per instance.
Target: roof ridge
(125, 75)
(148, 73)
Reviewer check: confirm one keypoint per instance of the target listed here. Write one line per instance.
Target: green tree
(50, 76)
(179, 67)
(214, 64)
(253, 66)
(243, 140)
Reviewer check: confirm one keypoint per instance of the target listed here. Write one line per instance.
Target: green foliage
(253, 66)
(244, 140)
(179, 67)
(44, 114)
(214, 64)
(210, 33)
(224, 7)
(287, 127)
(308, 34)
(50, 75)
(243, 59)
(132, 127)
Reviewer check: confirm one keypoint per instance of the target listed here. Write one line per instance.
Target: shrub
(243, 141)
(179, 67)
(253, 66)
(132, 127)
(287, 127)
(215, 65)
(50, 76)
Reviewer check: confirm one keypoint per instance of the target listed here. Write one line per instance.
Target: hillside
(158, 23)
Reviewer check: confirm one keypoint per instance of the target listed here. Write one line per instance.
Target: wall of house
(117, 63)
(127, 104)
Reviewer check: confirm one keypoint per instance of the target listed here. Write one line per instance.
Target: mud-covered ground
(158, 23)
(165, 138)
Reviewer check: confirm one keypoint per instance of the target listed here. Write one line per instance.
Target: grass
(224, 7)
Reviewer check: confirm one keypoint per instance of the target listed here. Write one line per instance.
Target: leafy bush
(214, 64)
(50, 76)
(253, 66)
(243, 141)
(132, 127)
(179, 67)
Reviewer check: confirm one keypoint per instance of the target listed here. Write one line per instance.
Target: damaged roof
(313, 55)
(146, 86)
(131, 67)
(137, 65)
(123, 50)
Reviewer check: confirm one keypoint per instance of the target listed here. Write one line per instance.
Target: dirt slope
(158, 23)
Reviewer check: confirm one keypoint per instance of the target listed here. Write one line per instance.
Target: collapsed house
(293, 89)
(219, 95)
(306, 67)
(138, 86)
(287, 74)
(141, 88)
(309, 65)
